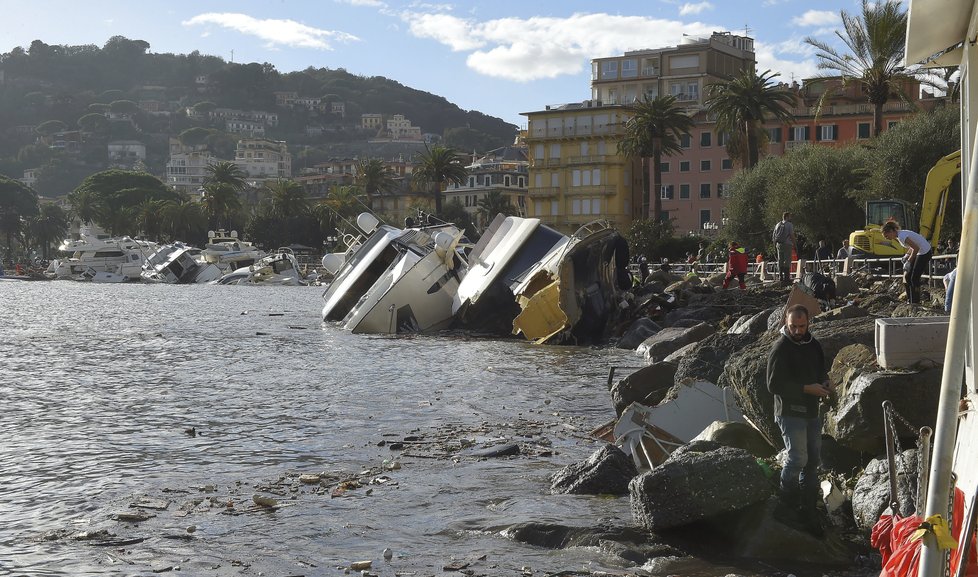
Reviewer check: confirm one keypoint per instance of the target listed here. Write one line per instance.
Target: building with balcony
(683, 71)
(575, 172)
(126, 153)
(187, 169)
(694, 188)
(504, 170)
(261, 158)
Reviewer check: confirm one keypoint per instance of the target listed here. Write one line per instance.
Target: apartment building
(576, 174)
(187, 169)
(261, 158)
(505, 170)
(694, 188)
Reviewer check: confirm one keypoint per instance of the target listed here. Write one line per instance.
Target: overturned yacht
(177, 263)
(394, 280)
(277, 268)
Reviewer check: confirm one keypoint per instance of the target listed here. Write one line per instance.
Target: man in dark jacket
(797, 378)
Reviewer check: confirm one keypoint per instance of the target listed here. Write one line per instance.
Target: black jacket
(791, 366)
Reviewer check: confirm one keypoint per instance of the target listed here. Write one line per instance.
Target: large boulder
(606, 472)
(739, 435)
(746, 371)
(845, 285)
(857, 420)
(693, 485)
(706, 359)
(670, 339)
(647, 386)
(849, 363)
(754, 324)
(637, 332)
(699, 314)
(871, 495)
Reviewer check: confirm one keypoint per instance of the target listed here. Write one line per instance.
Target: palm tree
(286, 200)
(226, 172)
(875, 40)
(183, 219)
(148, 217)
(86, 205)
(493, 203)
(741, 105)
(49, 226)
(654, 128)
(220, 201)
(18, 203)
(374, 178)
(437, 166)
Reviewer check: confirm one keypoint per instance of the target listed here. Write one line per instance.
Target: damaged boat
(527, 278)
(278, 268)
(177, 263)
(393, 280)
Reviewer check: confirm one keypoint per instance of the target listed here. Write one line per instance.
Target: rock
(754, 324)
(706, 359)
(629, 543)
(606, 472)
(500, 450)
(263, 501)
(388, 554)
(879, 304)
(746, 371)
(842, 460)
(756, 533)
(698, 314)
(647, 386)
(857, 420)
(871, 495)
(361, 565)
(676, 355)
(692, 486)
(685, 323)
(908, 310)
(639, 330)
(739, 435)
(843, 312)
(849, 363)
(845, 285)
(668, 340)
(309, 479)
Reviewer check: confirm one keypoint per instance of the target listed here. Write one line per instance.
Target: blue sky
(502, 57)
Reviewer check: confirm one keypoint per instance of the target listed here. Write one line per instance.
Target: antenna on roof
(747, 30)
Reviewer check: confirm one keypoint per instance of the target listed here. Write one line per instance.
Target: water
(100, 384)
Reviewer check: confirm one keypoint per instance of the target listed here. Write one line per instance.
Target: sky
(502, 58)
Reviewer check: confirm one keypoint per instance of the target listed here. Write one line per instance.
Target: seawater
(100, 385)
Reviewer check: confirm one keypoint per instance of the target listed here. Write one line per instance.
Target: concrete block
(902, 342)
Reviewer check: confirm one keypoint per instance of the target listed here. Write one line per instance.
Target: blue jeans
(803, 441)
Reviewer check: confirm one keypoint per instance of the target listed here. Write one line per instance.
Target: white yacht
(278, 268)
(122, 257)
(178, 263)
(229, 252)
(395, 281)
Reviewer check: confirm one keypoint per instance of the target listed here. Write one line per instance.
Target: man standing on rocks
(797, 378)
(784, 241)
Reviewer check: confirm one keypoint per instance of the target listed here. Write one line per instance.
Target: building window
(684, 191)
(521, 182)
(507, 181)
(723, 138)
(554, 208)
(705, 190)
(726, 164)
(705, 139)
(609, 70)
(685, 141)
(704, 218)
(774, 135)
(862, 130)
(664, 166)
(891, 124)
(704, 166)
(666, 192)
(799, 133)
(722, 191)
(555, 152)
(827, 132)
(629, 68)
(684, 166)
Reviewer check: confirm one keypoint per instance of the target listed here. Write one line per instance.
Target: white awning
(934, 26)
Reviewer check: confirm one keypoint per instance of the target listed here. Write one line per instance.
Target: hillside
(122, 91)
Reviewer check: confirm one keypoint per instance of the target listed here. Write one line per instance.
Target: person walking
(736, 265)
(843, 255)
(797, 378)
(784, 242)
(915, 261)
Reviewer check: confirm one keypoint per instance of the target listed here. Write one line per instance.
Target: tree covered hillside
(122, 91)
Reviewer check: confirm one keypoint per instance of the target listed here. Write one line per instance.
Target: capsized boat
(178, 263)
(229, 252)
(395, 280)
(572, 295)
(278, 268)
(508, 250)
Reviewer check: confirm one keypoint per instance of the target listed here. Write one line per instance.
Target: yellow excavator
(870, 241)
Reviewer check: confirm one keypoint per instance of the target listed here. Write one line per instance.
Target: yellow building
(575, 174)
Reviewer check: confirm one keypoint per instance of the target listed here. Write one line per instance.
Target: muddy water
(101, 385)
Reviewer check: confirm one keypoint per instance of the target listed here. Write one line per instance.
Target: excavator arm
(936, 191)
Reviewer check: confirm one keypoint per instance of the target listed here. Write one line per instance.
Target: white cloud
(370, 3)
(687, 9)
(544, 47)
(274, 32)
(789, 70)
(817, 18)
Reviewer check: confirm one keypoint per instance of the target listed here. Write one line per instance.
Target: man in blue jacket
(797, 378)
